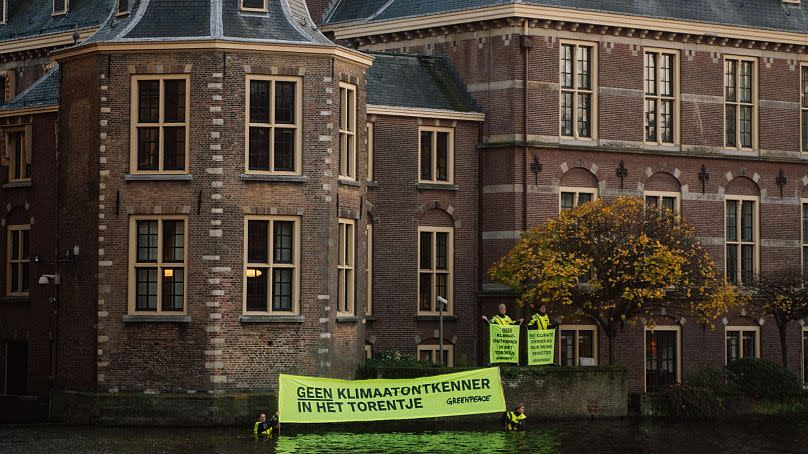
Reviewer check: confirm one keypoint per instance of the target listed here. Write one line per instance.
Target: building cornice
(28, 111)
(394, 111)
(337, 52)
(45, 41)
(567, 15)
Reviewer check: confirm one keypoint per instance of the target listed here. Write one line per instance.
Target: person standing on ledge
(515, 420)
(502, 317)
(540, 320)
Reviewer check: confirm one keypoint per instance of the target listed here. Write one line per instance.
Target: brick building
(226, 193)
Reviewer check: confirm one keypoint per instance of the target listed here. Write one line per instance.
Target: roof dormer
(122, 7)
(253, 6)
(60, 7)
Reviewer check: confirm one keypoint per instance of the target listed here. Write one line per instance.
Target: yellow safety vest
(266, 432)
(503, 320)
(514, 420)
(542, 321)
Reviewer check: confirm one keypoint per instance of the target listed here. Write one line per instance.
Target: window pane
(282, 289)
(282, 243)
(669, 203)
(441, 285)
(173, 289)
(257, 241)
(566, 66)
(25, 279)
(146, 288)
(729, 125)
(586, 344)
(425, 292)
(284, 103)
(733, 346)
(284, 149)
(747, 221)
(749, 350)
(584, 114)
(257, 289)
(123, 6)
(666, 75)
(443, 157)
(426, 250)
(730, 70)
(746, 126)
(566, 114)
(259, 148)
(15, 278)
(732, 220)
(15, 244)
(173, 241)
(746, 81)
(747, 263)
(259, 101)
(652, 201)
(175, 101)
(26, 244)
(426, 155)
(584, 197)
(583, 70)
(666, 121)
(732, 263)
(426, 356)
(146, 241)
(567, 200)
(148, 101)
(173, 148)
(805, 129)
(441, 251)
(650, 73)
(805, 223)
(805, 86)
(650, 120)
(148, 148)
(567, 347)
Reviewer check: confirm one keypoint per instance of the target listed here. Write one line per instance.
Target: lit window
(431, 354)
(18, 153)
(436, 155)
(274, 118)
(123, 7)
(158, 263)
(254, 5)
(578, 345)
(663, 201)
(804, 108)
(347, 131)
(18, 277)
(741, 238)
(160, 107)
(345, 266)
(742, 342)
(60, 7)
(661, 82)
(271, 272)
(435, 268)
(577, 90)
(369, 270)
(740, 97)
(370, 152)
(573, 197)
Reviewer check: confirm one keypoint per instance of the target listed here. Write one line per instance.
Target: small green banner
(503, 344)
(540, 346)
(325, 400)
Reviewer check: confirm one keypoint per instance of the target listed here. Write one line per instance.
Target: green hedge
(763, 379)
(683, 401)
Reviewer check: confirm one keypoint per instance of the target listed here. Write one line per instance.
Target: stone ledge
(156, 319)
(437, 187)
(348, 182)
(18, 184)
(347, 319)
(15, 299)
(370, 318)
(271, 319)
(158, 177)
(372, 184)
(435, 318)
(274, 178)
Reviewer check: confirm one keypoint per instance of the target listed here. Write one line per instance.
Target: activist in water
(502, 317)
(264, 428)
(541, 320)
(515, 420)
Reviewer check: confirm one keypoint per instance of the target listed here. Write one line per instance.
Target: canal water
(627, 435)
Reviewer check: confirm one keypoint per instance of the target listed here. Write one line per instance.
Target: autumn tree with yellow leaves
(615, 263)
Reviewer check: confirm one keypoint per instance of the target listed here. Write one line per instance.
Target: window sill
(156, 319)
(435, 318)
(157, 177)
(271, 319)
(15, 299)
(18, 184)
(373, 184)
(274, 178)
(347, 319)
(370, 318)
(437, 186)
(348, 182)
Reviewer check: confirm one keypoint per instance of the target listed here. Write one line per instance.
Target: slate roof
(766, 14)
(413, 81)
(29, 18)
(42, 93)
(287, 21)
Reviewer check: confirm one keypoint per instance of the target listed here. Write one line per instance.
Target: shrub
(392, 360)
(683, 401)
(763, 379)
(716, 379)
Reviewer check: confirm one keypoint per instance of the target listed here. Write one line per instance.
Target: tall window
(435, 269)
(578, 345)
(160, 107)
(742, 342)
(577, 90)
(3, 11)
(158, 264)
(254, 5)
(804, 108)
(369, 269)
(805, 236)
(18, 260)
(272, 265)
(431, 354)
(274, 117)
(436, 155)
(18, 152)
(60, 7)
(662, 201)
(660, 97)
(345, 267)
(370, 126)
(741, 237)
(740, 97)
(573, 197)
(123, 7)
(347, 130)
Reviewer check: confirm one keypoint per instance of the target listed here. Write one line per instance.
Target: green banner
(503, 344)
(324, 400)
(540, 346)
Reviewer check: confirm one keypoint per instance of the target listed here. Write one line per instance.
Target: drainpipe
(526, 46)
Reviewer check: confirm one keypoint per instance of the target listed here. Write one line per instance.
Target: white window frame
(804, 107)
(369, 268)
(21, 261)
(435, 352)
(270, 265)
(577, 191)
(434, 271)
(347, 130)
(658, 97)
(60, 12)
(4, 12)
(434, 130)
(161, 124)
(755, 102)
(804, 234)
(134, 264)
(578, 329)
(593, 90)
(264, 9)
(123, 12)
(678, 330)
(756, 233)
(741, 330)
(677, 206)
(17, 169)
(272, 125)
(370, 127)
(346, 267)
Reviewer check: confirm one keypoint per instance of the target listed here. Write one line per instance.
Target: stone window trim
(678, 330)
(248, 6)
(577, 329)
(431, 353)
(433, 270)
(20, 261)
(576, 192)
(60, 7)
(182, 319)
(576, 90)
(18, 153)
(739, 242)
(134, 264)
(733, 101)
(369, 269)
(660, 96)
(347, 130)
(369, 134)
(804, 107)
(741, 331)
(135, 125)
(433, 179)
(254, 319)
(804, 236)
(346, 267)
(272, 125)
(123, 7)
(3, 12)
(269, 266)
(660, 198)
